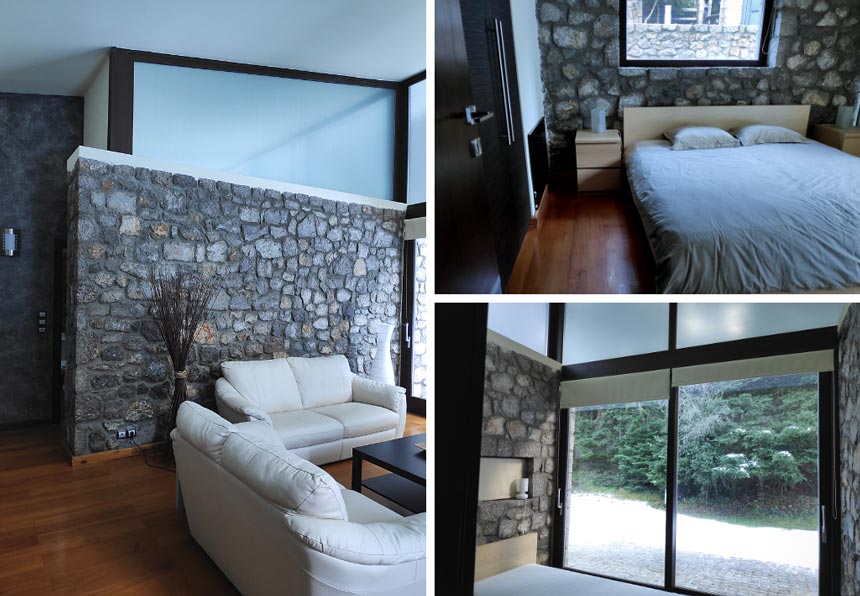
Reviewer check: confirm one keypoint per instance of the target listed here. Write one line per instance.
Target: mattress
(779, 217)
(539, 580)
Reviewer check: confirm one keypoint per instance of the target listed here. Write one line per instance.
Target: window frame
(768, 34)
(828, 430)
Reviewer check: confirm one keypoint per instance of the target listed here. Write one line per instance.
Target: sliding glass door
(616, 507)
(748, 460)
(720, 489)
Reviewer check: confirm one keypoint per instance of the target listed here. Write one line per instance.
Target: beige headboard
(646, 124)
(498, 557)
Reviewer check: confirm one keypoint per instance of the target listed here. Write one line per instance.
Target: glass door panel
(747, 517)
(616, 512)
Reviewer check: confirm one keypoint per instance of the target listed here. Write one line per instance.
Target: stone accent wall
(37, 135)
(815, 62)
(849, 420)
(692, 42)
(298, 275)
(520, 416)
(419, 334)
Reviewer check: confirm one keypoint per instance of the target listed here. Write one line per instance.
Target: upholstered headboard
(645, 124)
(498, 557)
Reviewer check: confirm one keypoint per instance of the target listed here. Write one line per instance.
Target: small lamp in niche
(598, 121)
(523, 488)
(11, 241)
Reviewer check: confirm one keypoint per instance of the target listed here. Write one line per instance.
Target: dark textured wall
(849, 416)
(520, 416)
(816, 64)
(297, 274)
(37, 135)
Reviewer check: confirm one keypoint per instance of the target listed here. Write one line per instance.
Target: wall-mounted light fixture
(11, 241)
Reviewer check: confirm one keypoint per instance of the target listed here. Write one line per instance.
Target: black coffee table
(405, 486)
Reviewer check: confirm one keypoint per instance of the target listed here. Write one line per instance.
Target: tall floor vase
(382, 369)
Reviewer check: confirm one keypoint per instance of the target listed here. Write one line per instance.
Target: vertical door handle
(823, 524)
(505, 82)
(407, 335)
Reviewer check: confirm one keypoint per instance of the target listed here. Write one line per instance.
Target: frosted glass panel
(339, 137)
(416, 191)
(701, 324)
(601, 331)
(526, 324)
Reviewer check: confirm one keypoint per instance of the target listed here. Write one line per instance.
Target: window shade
(415, 228)
(630, 388)
(771, 366)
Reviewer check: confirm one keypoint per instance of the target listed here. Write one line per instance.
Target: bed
(766, 218)
(507, 568)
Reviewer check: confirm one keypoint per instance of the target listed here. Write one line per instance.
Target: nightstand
(845, 139)
(598, 161)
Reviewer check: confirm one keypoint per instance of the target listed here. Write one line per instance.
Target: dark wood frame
(785, 343)
(767, 37)
(461, 348)
(121, 98)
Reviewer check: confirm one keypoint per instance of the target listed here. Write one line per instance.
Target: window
(695, 32)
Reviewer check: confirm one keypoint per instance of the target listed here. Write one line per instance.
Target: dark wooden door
(493, 76)
(465, 255)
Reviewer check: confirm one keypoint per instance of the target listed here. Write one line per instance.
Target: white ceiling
(56, 46)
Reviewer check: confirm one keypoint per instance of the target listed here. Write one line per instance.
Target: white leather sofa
(317, 406)
(276, 524)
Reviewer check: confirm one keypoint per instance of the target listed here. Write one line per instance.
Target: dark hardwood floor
(584, 245)
(102, 528)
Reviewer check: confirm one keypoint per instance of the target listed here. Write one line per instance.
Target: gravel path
(624, 539)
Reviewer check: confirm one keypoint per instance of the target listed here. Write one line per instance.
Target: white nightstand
(845, 139)
(598, 161)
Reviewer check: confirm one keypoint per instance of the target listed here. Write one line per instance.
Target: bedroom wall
(297, 274)
(37, 135)
(849, 420)
(816, 64)
(521, 394)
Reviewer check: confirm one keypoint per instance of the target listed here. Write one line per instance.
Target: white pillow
(322, 381)
(700, 137)
(203, 428)
(258, 459)
(267, 384)
(761, 134)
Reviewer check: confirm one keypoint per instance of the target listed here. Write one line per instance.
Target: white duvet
(781, 217)
(539, 580)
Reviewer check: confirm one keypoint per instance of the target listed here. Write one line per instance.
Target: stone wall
(849, 417)
(419, 333)
(37, 135)
(520, 415)
(692, 42)
(815, 62)
(297, 274)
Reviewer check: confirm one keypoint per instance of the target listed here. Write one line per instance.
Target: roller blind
(771, 366)
(415, 228)
(634, 387)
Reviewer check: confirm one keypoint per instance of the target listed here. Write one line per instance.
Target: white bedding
(780, 217)
(540, 580)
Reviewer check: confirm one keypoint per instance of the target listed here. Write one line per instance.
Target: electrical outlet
(120, 434)
(132, 433)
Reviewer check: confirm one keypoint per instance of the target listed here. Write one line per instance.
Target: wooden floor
(584, 245)
(102, 528)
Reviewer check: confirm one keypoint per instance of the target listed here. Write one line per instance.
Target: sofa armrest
(379, 394)
(377, 543)
(235, 408)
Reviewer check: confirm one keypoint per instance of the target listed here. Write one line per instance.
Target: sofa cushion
(304, 427)
(282, 478)
(267, 384)
(203, 429)
(376, 543)
(322, 381)
(362, 510)
(360, 419)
